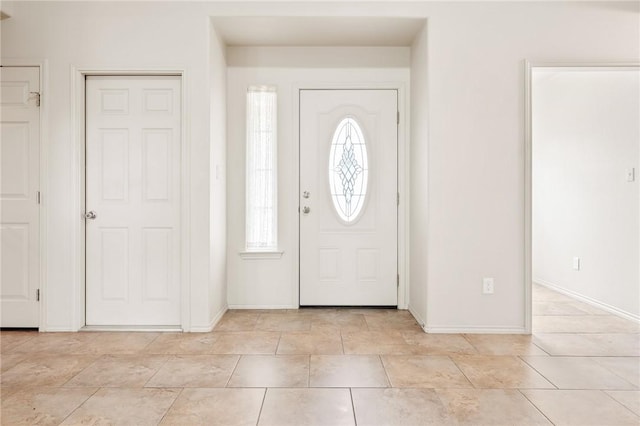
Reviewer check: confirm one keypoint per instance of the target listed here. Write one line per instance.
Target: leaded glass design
(348, 170)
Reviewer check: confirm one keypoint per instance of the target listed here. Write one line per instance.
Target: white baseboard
(589, 301)
(263, 307)
(475, 330)
(212, 324)
(421, 321)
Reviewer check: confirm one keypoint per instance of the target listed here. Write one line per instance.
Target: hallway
(331, 367)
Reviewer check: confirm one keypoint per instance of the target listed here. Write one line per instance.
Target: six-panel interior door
(348, 199)
(133, 134)
(19, 197)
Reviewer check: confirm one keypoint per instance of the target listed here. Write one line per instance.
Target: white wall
(107, 35)
(269, 283)
(419, 178)
(586, 135)
(475, 140)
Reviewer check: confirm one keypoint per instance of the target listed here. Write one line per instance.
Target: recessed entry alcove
(294, 54)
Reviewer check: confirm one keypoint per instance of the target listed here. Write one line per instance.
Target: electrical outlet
(576, 263)
(631, 175)
(487, 286)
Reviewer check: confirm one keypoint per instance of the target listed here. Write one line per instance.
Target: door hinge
(38, 197)
(37, 95)
(37, 295)
(397, 117)
(398, 280)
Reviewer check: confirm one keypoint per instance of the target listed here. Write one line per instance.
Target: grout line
(80, 405)
(278, 344)
(536, 370)
(385, 371)
(264, 396)
(168, 357)
(171, 406)
(606, 392)
(235, 367)
(535, 406)
(353, 408)
(453, 360)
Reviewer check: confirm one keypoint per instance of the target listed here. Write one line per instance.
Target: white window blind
(261, 187)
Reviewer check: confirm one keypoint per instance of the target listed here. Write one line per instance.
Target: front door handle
(90, 215)
(306, 210)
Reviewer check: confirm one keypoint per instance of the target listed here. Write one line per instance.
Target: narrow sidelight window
(261, 183)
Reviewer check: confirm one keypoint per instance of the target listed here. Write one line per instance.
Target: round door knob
(306, 210)
(90, 215)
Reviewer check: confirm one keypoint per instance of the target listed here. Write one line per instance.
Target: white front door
(348, 199)
(19, 196)
(133, 134)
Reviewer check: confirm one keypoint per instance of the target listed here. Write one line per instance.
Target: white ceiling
(317, 31)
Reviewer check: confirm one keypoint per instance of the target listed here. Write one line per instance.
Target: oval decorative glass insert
(348, 170)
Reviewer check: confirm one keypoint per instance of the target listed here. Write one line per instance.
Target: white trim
(589, 301)
(475, 330)
(43, 74)
(78, 75)
(249, 307)
(261, 255)
(403, 230)
(215, 320)
(417, 317)
(528, 150)
(133, 328)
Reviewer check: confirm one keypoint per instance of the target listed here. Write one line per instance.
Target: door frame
(78, 117)
(402, 173)
(528, 169)
(43, 69)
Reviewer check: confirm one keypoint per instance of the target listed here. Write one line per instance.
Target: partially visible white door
(348, 200)
(19, 197)
(133, 200)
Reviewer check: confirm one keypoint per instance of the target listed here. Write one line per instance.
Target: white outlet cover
(576, 263)
(487, 286)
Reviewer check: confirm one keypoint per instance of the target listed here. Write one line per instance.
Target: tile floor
(331, 367)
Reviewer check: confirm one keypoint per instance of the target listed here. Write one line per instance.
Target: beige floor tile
(283, 322)
(122, 406)
(630, 399)
(271, 371)
(567, 344)
(51, 370)
(577, 373)
(581, 408)
(131, 371)
(476, 407)
(120, 342)
(238, 321)
(347, 371)
(439, 344)
(378, 342)
(42, 405)
(392, 320)
(504, 344)
(9, 340)
(306, 407)
(195, 371)
(556, 308)
(9, 360)
(57, 343)
(424, 372)
(583, 324)
(500, 372)
(246, 343)
(229, 407)
(626, 367)
(338, 320)
(182, 344)
(589, 309)
(399, 407)
(328, 342)
(545, 294)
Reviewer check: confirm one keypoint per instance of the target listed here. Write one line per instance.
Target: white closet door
(133, 135)
(19, 186)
